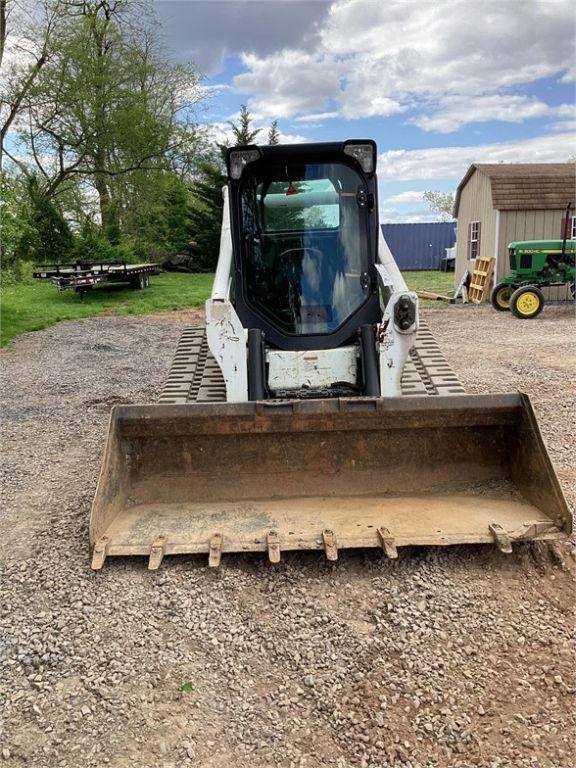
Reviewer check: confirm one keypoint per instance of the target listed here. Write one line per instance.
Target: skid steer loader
(315, 409)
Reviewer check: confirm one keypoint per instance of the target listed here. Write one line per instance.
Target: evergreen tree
(244, 132)
(206, 211)
(273, 133)
(51, 240)
(206, 215)
(177, 212)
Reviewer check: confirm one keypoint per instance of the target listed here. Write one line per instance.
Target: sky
(438, 85)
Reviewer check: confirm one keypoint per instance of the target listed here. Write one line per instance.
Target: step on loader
(315, 409)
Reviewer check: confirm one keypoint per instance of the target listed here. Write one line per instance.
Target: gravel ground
(456, 657)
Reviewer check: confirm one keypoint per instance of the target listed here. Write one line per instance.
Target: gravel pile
(458, 657)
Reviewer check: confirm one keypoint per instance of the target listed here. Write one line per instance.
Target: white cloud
(394, 216)
(566, 125)
(287, 82)
(292, 138)
(455, 111)
(387, 58)
(212, 90)
(411, 196)
(452, 162)
(317, 117)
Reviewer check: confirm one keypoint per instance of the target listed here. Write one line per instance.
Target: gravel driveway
(456, 657)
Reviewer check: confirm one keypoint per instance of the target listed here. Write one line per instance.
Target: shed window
(474, 240)
(573, 228)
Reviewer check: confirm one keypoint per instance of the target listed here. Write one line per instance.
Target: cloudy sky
(437, 84)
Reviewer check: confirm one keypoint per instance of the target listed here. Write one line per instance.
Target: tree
(32, 49)
(155, 211)
(33, 228)
(17, 229)
(244, 132)
(273, 133)
(206, 214)
(440, 202)
(102, 142)
(3, 31)
(206, 211)
(108, 104)
(55, 241)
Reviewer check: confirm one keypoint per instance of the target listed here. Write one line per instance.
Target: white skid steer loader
(315, 410)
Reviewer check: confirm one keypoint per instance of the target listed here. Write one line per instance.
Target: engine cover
(313, 368)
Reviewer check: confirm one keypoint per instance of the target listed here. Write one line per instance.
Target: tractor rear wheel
(500, 296)
(527, 302)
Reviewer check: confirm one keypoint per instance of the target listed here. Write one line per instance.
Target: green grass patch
(428, 280)
(30, 307)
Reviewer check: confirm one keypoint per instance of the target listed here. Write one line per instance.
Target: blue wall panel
(420, 246)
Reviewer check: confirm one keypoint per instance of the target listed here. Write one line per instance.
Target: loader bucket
(325, 475)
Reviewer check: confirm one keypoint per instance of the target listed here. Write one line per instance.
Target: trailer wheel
(146, 281)
(500, 297)
(527, 302)
(138, 282)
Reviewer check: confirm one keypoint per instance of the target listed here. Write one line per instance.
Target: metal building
(420, 246)
(498, 203)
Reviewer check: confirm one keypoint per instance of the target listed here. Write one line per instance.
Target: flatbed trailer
(82, 276)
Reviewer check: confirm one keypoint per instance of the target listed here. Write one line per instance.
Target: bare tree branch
(53, 11)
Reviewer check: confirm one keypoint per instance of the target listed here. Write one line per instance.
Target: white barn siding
(475, 205)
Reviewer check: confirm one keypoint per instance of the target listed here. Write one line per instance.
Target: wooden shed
(498, 203)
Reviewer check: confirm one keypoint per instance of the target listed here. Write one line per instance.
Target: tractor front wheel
(527, 302)
(500, 296)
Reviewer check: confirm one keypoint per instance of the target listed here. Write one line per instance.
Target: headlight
(238, 159)
(365, 154)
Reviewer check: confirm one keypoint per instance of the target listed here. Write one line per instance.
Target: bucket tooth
(330, 545)
(215, 553)
(388, 543)
(501, 537)
(99, 553)
(157, 552)
(273, 547)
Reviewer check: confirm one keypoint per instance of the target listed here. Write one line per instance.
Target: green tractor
(534, 264)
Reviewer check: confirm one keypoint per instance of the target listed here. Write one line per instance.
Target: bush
(18, 273)
(95, 247)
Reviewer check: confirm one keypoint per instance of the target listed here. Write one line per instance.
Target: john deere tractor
(534, 264)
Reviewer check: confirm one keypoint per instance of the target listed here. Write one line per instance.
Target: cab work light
(239, 159)
(363, 153)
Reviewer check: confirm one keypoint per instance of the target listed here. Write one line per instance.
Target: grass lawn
(39, 305)
(435, 281)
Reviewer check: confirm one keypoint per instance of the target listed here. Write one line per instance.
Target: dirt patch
(445, 657)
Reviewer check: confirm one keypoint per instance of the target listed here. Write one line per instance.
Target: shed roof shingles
(526, 186)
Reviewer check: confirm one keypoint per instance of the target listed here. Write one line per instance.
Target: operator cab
(304, 229)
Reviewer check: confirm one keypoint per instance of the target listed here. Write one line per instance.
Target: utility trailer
(82, 276)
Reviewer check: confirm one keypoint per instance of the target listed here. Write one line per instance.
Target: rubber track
(196, 377)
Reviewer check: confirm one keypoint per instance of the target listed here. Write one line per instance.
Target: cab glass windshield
(305, 241)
